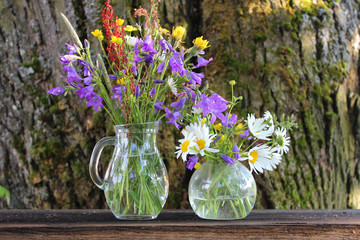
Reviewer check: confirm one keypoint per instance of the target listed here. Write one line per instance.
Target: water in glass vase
(223, 209)
(219, 191)
(139, 189)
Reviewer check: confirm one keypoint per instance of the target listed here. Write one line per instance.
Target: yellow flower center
(120, 21)
(200, 143)
(185, 146)
(254, 155)
(97, 33)
(201, 43)
(178, 33)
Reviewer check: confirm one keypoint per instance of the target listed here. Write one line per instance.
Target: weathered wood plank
(179, 224)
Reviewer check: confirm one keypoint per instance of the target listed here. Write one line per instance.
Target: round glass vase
(219, 191)
(136, 181)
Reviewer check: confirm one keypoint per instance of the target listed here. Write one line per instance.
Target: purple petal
(227, 159)
(113, 77)
(192, 162)
(153, 91)
(235, 150)
(160, 68)
(179, 104)
(84, 91)
(202, 62)
(159, 81)
(137, 91)
(158, 105)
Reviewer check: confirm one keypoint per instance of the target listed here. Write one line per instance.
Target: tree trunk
(298, 57)
(301, 58)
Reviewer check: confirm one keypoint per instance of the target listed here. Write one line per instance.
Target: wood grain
(179, 224)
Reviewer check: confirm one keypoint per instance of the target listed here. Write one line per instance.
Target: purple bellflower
(236, 150)
(71, 48)
(118, 90)
(173, 117)
(196, 78)
(113, 77)
(160, 68)
(227, 159)
(137, 91)
(84, 91)
(95, 101)
(214, 105)
(244, 134)
(158, 81)
(163, 44)
(179, 104)
(202, 62)
(152, 92)
(158, 106)
(72, 74)
(229, 121)
(192, 162)
(57, 91)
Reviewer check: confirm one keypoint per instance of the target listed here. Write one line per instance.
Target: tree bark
(289, 57)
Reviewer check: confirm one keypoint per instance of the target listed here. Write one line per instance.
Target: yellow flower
(197, 165)
(203, 121)
(120, 22)
(222, 139)
(97, 33)
(218, 126)
(163, 30)
(120, 81)
(114, 39)
(200, 43)
(232, 82)
(130, 28)
(178, 33)
(239, 126)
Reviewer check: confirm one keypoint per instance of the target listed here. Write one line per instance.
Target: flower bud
(87, 44)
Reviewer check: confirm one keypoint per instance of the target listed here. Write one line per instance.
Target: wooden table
(179, 224)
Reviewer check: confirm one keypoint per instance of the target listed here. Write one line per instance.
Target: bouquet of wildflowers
(215, 134)
(141, 67)
(143, 74)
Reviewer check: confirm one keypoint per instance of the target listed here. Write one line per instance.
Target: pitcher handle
(94, 160)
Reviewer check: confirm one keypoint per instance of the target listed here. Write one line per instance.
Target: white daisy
(282, 141)
(202, 138)
(259, 158)
(268, 119)
(185, 144)
(130, 40)
(258, 128)
(275, 158)
(172, 85)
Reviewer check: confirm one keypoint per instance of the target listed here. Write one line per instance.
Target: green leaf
(6, 193)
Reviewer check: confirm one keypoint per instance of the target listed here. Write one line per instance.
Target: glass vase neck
(148, 127)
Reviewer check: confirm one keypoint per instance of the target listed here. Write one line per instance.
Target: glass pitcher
(136, 181)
